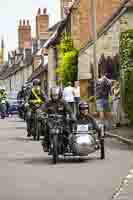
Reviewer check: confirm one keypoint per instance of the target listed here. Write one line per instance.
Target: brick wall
(107, 44)
(24, 34)
(104, 9)
(42, 24)
(81, 18)
(64, 4)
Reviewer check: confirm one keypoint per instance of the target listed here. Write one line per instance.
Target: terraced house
(25, 59)
(112, 17)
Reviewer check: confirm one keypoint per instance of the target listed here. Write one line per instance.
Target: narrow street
(27, 173)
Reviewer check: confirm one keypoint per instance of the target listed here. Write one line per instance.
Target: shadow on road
(22, 139)
(25, 139)
(21, 127)
(47, 160)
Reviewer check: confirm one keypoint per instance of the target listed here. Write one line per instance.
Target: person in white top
(68, 95)
(76, 95)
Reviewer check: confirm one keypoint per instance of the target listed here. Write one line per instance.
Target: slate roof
(38, 71)
(12, 69)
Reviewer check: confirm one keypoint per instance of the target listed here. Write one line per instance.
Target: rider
(56, 106)
(3, 96)
(85, 116)
(35, 96)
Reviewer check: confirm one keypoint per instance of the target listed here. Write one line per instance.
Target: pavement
(124, 134)
(125, 189)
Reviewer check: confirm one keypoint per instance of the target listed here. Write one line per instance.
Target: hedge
(126, 63)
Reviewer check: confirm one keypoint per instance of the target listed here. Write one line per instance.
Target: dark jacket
(58, 107)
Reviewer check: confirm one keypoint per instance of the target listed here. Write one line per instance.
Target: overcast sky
(11, 11)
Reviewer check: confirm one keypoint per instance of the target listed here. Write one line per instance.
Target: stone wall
(107, 44)
(81, 18)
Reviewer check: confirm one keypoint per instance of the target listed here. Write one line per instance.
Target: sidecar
(84, 140)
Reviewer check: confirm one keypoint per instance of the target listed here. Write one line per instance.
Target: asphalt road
(26, 173)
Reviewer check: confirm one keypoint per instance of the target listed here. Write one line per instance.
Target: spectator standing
(68, 95)
(76, 95)
(102, 92)
(116, 104)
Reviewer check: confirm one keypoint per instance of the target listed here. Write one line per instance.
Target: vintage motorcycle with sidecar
(76, 139)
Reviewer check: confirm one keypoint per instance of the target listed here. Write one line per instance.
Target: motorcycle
(79, 140)
(3, 108)
(38, 125)
(21, 109)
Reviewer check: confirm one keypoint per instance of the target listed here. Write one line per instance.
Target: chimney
(64, 6)
(42, 24)
(24, 35)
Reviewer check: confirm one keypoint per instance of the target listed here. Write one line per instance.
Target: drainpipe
(94, 37)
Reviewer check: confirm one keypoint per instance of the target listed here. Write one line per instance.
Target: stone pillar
(51, 67)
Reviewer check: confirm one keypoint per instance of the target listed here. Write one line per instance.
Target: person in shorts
(102, 92)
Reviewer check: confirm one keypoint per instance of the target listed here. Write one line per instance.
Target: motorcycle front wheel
(102, 149)
(55, 149)
(38, 130)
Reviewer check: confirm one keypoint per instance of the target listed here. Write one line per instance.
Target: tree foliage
(126, 60)
(68, 61)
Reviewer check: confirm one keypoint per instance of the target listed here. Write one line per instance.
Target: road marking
(122, 186)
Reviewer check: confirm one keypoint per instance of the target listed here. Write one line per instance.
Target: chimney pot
(24, 22)
(20, 22)
(39, 11)
(28, 23)
(44, 11)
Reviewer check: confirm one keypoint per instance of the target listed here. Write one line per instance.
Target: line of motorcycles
(66, 138)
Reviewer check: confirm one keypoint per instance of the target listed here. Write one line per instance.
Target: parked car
(13, 102)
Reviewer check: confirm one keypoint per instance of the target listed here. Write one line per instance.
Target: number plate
(82, 128)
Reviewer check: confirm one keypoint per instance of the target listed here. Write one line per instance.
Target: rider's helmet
(36, 82)
(55, 93)
(3, 89)
(83, 105)
(83, 108)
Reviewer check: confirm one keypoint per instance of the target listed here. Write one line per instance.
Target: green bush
(68, 61)
(126, 62)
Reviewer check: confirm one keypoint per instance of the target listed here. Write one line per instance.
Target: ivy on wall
(68, 61)
(126, 61)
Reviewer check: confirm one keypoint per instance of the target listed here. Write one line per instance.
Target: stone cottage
(107, 44)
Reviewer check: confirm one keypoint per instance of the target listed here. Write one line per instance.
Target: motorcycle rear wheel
(38, 130)
(55, 149)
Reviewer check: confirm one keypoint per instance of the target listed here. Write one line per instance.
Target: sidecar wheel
(55, 149)
(102, 149)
